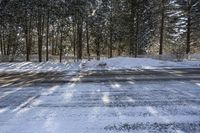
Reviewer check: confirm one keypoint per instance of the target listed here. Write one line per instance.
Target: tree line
(84, 28)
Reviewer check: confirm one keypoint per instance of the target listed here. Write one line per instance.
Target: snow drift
(109, 64)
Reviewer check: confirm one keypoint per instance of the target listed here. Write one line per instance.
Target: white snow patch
(37, 67)
(109, 64)
(139, 63)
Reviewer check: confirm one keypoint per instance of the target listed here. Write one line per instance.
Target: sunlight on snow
(152, 110)
(72, 85)
(24, 104)
(23, 110)
(36, 102)
(198, 84)
(130, 99)
(5, 85)
(51, 90)
(10, 92)
(76, 79)
(131, 82)
(115, 85)
(106, 98)
(3, 110)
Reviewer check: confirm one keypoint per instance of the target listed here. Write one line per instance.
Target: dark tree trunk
(111, 33)
(74, 42)
(119, 49)
(56, 46)
(88, 39)
(162, 27)
(30, 36)
(27, 37)
(4, 44)
(61, 47)
(53, 41)
(40, 38)
(97, 42)
(111, 44)
(188, 27)
(132, 34)
(9, 43)
(107, 46)
(47, 38)
(1, 42)
(14, 46)
(136, 34)
(74, 39)
(79, 39)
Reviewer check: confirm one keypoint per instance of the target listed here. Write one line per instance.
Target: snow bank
(108, 64)
(37, 67)
(135, 63)
(191, 63)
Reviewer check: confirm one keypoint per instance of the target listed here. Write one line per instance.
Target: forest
(82, 29)
(99, 66)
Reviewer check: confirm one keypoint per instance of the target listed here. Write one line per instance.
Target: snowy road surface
(109, 106)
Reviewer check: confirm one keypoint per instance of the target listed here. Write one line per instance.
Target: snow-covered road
(105, 107)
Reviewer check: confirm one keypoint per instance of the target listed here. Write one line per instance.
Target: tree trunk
(97, 41)
(53, 41)
(14, 45)
(188, 27)
(132, 34)
(74, 39)
(162, 27)
(47, 38)
(39, 37)
(111, 33)
(4, 44)
(56, 46)
(61, 47)
(9, 43)
(88, 39)
(119, 49)
(30, 36)
(1, 42)
(27, 37)
(79, 39)
(111, 44)
(136, 34)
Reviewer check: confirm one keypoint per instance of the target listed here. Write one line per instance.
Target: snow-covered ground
(108, 106)
(110, 64)
(139, 63)
(37, 67)
(111, 107)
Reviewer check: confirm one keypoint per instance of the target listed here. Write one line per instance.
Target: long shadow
(19, 89)
(139, 75)
(25, 79)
